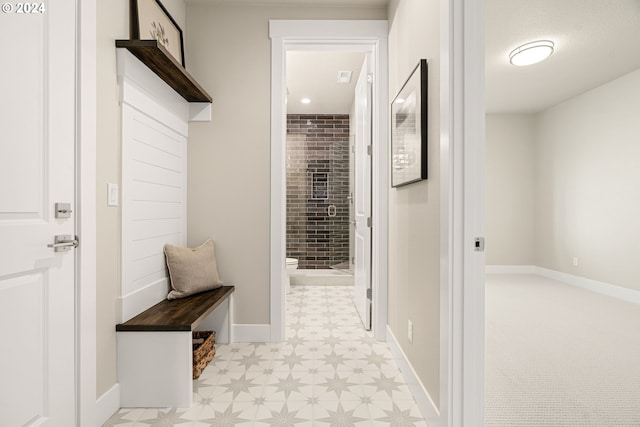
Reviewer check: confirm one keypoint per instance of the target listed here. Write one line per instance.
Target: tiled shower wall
(318, 180)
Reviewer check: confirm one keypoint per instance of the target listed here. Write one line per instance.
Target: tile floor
(329, 372)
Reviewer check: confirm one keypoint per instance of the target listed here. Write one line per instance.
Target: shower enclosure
(318, 198)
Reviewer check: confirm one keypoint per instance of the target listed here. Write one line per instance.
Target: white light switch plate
(113, 194)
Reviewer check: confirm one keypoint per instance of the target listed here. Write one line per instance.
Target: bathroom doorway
(368, 38)
(328, 171)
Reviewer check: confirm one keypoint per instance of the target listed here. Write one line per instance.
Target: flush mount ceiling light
(305, 101)
(531, 53)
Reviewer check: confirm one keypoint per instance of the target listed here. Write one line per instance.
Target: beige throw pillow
(192, 270)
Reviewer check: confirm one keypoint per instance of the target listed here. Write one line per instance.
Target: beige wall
(588, 184)
(229, 53)
(563, 183)
(414, 210)
(113, 23)
(510, 189)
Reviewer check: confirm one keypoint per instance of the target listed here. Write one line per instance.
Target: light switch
(113, 195)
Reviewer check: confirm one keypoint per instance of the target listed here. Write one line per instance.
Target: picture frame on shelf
(409, 129)
(150, 20)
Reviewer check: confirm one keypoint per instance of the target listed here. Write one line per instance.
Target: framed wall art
(151, 21)
(409, 129)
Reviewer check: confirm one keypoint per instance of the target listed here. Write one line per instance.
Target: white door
(362, 195)
(37, 166)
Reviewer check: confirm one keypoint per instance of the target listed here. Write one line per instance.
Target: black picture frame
(150, 20)
(409, 129)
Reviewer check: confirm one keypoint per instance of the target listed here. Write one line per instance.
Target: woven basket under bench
(203, 350)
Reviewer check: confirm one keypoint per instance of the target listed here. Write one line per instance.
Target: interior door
(362, 195)
(37, 167)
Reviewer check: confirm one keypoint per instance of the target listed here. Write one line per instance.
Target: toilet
(292, 265)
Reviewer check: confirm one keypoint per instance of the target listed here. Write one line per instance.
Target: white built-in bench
(155, 348)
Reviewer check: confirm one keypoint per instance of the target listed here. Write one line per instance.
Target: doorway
(329, 171)
(368, 37)
(320, 138)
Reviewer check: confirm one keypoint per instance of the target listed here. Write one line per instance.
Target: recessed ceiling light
(531, 53)
(305, 101)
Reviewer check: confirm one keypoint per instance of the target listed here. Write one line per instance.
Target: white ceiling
(314, 75)
(596, 41)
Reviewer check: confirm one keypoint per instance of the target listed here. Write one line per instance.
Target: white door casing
(462, 212)
(362, 194)
(37, 169)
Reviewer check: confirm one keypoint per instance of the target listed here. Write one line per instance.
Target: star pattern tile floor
(328, 372)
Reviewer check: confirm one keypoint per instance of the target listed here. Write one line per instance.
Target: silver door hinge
(369, 222)
(479, 244)
(369, 150)
(370, 78)
(369, 294)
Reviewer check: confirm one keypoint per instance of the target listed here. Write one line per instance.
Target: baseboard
(510, 269)
(136, 302)
(251, 333)
(320, 278)
(108, 404)
(428, 409)
(625, 294)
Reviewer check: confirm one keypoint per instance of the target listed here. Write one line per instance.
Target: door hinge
(369, 150)
(370, 78)
(479, 244)
(369, 222)
(369, 294)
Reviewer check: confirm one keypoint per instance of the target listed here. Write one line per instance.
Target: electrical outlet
(410, 330)
(575, 261)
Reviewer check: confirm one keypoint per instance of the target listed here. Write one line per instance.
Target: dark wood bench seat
(182, 314)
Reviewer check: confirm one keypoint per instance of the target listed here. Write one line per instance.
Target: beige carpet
(557, 355)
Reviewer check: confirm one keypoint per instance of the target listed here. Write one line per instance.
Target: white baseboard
(136, 302)
(625, 294)
(108, 404)
(251, 333)
(428, 409)
(603, 288)
(510, 269)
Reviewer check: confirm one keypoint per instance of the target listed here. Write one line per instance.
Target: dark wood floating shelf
(161, 62)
